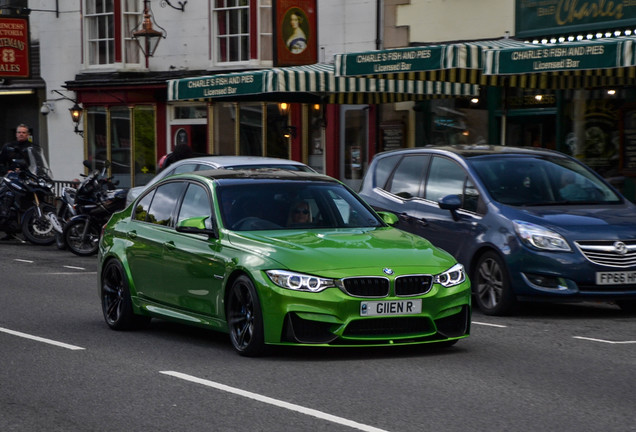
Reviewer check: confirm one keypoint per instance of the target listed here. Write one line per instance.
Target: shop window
(107, 28)
(145, 153)
(242, 30)
(260, 130)
(251, 129)
(277, 144)
(120, 146)
(315, 141)
(225, 128)
(111, 135)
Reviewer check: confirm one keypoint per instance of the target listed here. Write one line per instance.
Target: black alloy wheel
(245, 319)
(116, 301)
(491, 286)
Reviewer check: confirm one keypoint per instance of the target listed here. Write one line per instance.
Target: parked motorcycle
(65, 205)
(26, 194)
(95, 201)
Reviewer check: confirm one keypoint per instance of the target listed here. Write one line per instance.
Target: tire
(79, 244)
(245, 318)
(491, 286)
(38, 230)
(627, 306)
(115, 297)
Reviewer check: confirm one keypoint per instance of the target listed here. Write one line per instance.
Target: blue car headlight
(299, 281)
(539, 237)
(451, 277)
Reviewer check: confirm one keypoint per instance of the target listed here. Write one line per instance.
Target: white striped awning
(316, 79)
(584, 63)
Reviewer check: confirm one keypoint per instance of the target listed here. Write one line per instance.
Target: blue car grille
(610, 253)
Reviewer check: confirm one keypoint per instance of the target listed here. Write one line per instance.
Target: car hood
(370, 250)
(584, 222)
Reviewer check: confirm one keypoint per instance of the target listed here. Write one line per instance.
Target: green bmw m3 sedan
(274, 257)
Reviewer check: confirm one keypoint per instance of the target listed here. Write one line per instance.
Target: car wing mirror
(451, 203)
(388, 217)
(195, 225)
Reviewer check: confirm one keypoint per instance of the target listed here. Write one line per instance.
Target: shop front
(572, 96)
(304, 113)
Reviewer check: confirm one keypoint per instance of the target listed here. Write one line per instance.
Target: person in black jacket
(13, 154)
(181, 151)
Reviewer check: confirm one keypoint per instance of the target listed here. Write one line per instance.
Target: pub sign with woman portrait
(296, 32)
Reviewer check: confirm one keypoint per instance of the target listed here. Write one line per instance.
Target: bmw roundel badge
(388, 271)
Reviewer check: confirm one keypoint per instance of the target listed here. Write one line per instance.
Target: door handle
(169, 245)
(131, 234)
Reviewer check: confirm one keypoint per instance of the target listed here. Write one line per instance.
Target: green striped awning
(317, 79)
(503, 62)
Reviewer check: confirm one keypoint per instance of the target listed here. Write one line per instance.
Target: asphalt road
(551, 368)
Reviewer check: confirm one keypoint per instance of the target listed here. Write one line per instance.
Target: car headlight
(540, 237)
(299, 281)
(451, 277)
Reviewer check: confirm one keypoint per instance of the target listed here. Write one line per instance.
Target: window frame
(256, 33)
(118, 40)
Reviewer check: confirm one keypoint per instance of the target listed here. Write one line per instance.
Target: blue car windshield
(284, 205)
(535, 181)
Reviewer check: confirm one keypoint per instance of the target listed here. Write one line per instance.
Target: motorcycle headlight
(451, 277)
(299, 281)
(539, 237)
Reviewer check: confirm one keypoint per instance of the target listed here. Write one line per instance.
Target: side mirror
(451, 203)
(195, 225)
(388, 217)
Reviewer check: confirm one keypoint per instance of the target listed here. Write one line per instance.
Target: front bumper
(333, 318)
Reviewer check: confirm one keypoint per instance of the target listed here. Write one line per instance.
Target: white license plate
(616, 278)
(393, 307)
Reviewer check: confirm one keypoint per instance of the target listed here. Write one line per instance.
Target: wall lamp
(76, 116)
(146, 36)
(76, 110)
(288, 131)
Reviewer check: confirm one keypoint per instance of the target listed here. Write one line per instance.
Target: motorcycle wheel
(38, 230)
(77, 242)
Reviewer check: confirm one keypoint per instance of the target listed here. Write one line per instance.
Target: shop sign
(14, 48)
(296, 32)
(557, 17)
(392, 61)
(548, 58)
(225, 85)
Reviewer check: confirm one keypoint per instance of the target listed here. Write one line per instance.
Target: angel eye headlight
(451, 277)
(299, 281)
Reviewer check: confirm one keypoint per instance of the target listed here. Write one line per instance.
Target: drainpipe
(379, 24)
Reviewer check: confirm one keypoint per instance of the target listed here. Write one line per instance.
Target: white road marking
(22, 260)
(74, 268)
(68, 273)
(605, 341)
(489, 324)
(39, 339)
(276, 402)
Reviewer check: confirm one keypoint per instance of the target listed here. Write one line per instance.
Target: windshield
(283, 205)
(527, 181)
(37, 162)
